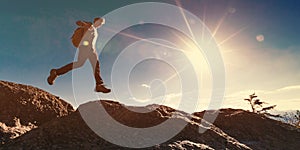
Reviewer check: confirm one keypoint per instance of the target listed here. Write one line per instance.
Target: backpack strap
(83, 23)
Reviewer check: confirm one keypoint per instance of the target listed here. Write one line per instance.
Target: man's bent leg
(82, 57)
(54, 73)
(64, 69)
(69, 67)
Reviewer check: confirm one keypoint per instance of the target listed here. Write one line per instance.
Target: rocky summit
(23, 108)
(34, 119)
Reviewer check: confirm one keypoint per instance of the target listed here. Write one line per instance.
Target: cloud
(293, 87)
(146, 85)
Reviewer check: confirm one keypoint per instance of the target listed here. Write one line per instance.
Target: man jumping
(84, 38)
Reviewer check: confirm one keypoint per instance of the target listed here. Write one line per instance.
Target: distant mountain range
(31, 118)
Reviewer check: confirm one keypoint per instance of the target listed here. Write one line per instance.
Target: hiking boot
(52, 76)
(102, 88)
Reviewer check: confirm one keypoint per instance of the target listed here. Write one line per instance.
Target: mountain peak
(23, 107)
(36, 119)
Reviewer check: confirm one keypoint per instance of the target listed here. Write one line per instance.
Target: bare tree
(257, 105)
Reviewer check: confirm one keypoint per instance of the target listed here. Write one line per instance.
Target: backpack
(78, 34)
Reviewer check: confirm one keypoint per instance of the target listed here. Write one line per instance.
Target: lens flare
(260, 38)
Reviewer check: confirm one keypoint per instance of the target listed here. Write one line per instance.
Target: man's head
(98, 22)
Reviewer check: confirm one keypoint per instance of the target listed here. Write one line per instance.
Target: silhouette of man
(87, 50)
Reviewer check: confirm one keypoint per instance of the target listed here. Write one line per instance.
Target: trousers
(85, 53)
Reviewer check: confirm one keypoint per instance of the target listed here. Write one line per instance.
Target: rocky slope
(71, 132)
(24, 107)
(257, 131)
(233, 129)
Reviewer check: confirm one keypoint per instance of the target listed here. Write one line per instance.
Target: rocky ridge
(50, 123)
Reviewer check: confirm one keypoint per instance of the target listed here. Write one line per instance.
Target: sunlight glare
(260, 38)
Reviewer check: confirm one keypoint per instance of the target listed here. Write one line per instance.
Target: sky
(258, 41)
